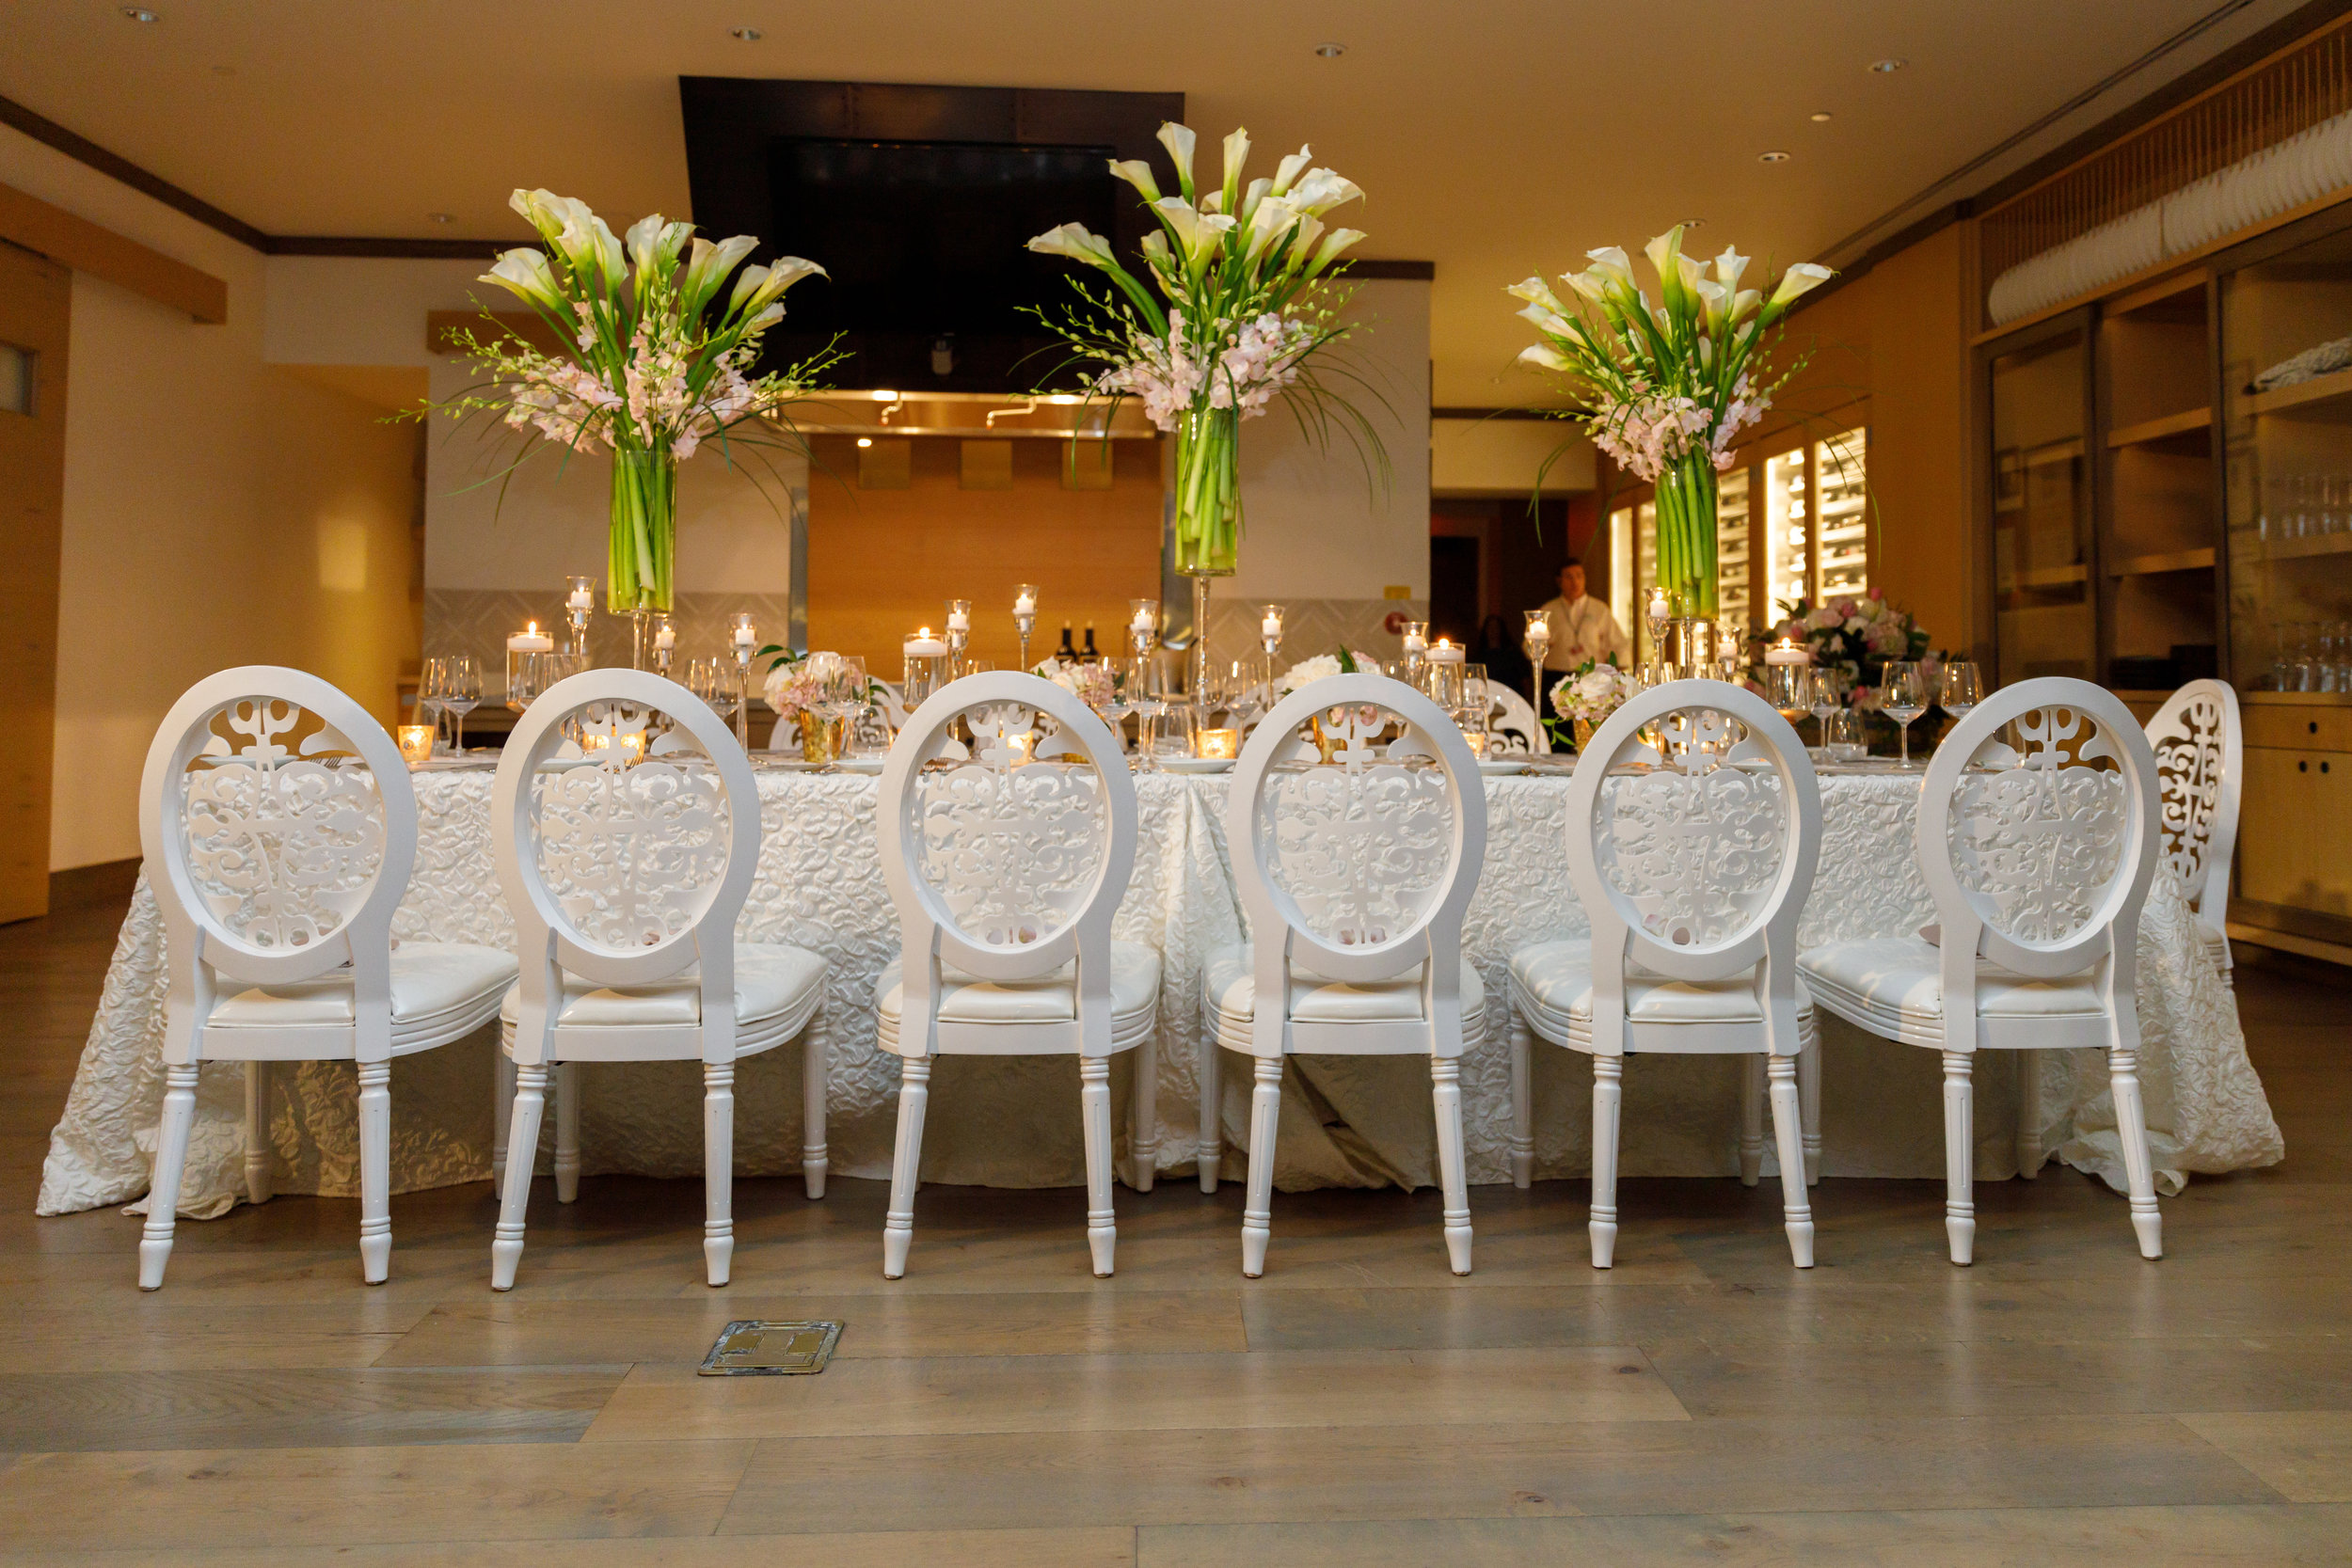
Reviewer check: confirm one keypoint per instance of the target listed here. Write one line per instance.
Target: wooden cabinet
(2295, 851)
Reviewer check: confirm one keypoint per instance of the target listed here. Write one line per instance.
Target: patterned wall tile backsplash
(478, 622)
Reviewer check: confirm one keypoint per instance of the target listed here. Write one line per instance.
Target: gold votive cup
(1220, 743)
(416, 743)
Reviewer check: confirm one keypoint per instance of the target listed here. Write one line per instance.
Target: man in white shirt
(1582, 629)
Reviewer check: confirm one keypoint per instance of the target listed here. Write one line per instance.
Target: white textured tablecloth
(1014, 1121)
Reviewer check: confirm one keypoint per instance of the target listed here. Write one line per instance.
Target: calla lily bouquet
(656, 355)
(1666, 389)
(1240, 300)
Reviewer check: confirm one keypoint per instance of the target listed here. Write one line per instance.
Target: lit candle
(1414, 641)
(665, 639)
(416, 742)
(581, 598)
(1025, 602)
(1661, 609)
(531, 639)
(924, 645)
(1444, 652)
(1272, 625)
(1147, 618)
(1786, 651)
(959, 621)
(746, 635)
(1220, 743)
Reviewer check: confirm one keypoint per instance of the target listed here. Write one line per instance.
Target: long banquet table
(1014, 1121)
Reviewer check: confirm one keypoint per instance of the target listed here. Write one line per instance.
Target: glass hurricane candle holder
(1143, 625)
(416, 743)
(923, 656)
(959, 633)
(1025, 617)
(580, 604)
(530, 666)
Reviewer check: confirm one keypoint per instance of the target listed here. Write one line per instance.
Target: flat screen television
(919, 202)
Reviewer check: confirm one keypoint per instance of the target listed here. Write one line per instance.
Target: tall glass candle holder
(1416, 638)
(1025, 618)
(1445, 667)
(530, 659)
(959, 634)
(743, 642)
(1536, 641)
(580, 603)
(924, 656)
(664, 643)
(1270, 639)
(1143, 625)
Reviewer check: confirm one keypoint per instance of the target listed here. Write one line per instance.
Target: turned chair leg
(523, 1140)
(2131, 1124)
(257, 1146)
(718, 1170)
(1959, 1142)
(567, 1086)
(815, 1065)
(1211, 1146)
(375, 1171)
(1094, 1111)
(1608, 1096)
(1143, 1108)
(1522, 1102)
(1445, 1074)
(1257, 1212)
(1751, 1120)
(1788, 1123)
(2029, 1155)
(1809, 1098)
(906, 1164)
(502, 1110)
(172, 1159)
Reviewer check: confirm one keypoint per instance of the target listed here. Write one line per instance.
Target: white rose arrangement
(1323, 666)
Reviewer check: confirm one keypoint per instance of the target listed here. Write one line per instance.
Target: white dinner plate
(870, 767)
(1197, 764)
(1501, 767)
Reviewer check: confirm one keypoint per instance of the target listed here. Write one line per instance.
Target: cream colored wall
(217, 511)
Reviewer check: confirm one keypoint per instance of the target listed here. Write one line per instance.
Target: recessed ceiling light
(746, 35)
(140, 13)
(1330, 51)
(1890, 66)
(443, 217)
(1692, 223)
(1775, 157)
(1820, 116)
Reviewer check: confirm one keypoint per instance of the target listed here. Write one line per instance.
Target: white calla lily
(1333, 243)
(1661, 252)
(1179, 139)
(1545, 356)
(525, 272)
(1286, 173)
(1138, 174)
(1197, 233)
(1547, 321)
(1610, 264)
(1536, 291)
(1076, 241)
(709, 264)
(1803, 278)
(1320, 190)
(1729, 266)
(1236, 155)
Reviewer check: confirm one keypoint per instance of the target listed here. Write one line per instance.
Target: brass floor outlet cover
(753, 1348)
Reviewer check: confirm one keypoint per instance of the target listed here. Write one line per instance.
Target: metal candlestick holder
(744, 638)
(1538, 645)
(1025, 618)
(958, 635)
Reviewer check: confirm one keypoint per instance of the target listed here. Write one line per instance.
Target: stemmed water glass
(1902, 697)
(429, 680)
(1958, 688)
(460, 692)
(1820, 696)
(843, 697)
(713, 681)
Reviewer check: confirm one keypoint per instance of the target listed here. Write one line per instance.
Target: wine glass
(1821, 699)
(429, 696)
(460, 692)
(713, 681)
(1902, 697)
(844, 696)
(1959, 688)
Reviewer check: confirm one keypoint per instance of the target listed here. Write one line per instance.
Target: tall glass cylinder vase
(1207, 528)
(1686, 536)
(644, 541)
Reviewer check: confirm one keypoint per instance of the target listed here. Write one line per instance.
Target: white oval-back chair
(2200, 761)
(2038, 855)
(1510, 726)
(1355, 874)
(278, 827)
(1693, 874)
(626, 875)
(1005, 865)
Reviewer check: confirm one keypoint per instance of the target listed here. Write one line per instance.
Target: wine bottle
(1088, 653)
(1067, 654)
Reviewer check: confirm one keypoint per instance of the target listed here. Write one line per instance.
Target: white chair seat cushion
(1552, 983)
(434, 984)
(771, 979)
(1231, 985)
(1053, 998)
(1898, 982)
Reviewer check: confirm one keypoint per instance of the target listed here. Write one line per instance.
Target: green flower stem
(643, 543)
(1208, 491)
(1686, 534)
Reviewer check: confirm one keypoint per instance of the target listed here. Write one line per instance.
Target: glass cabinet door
(1841, 559)
(2286, 330)
(2045, 622)
(1731, 548)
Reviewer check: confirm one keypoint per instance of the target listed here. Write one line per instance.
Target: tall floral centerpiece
(1242, 296)
(655, 357)
(1666, 389)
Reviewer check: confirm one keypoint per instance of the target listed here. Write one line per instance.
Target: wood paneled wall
(881, 562)
(36, 303)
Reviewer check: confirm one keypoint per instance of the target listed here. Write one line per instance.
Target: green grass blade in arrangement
(1666, 389)
(654, 351)
(1238, 298)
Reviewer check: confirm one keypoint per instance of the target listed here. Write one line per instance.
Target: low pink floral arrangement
(1855, 639)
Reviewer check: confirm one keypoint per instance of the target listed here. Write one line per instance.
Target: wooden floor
(1703, 1403)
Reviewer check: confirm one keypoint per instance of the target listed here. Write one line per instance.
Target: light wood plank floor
(1702, 1404)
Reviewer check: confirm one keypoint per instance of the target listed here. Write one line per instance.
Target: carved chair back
(279, 829)
(1695, 867)
(624, 862)
(1511, 725)
(2200, 757)
(1356, 861)
(2038, 839)
(1007, 852)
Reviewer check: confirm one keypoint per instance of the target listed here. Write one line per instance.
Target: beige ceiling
(1495, 138)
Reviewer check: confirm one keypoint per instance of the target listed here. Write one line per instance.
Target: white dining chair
(2201, 765)
(2038, 853)
(279, 827)
(1354, 877)
(1511, 724)
(1005, 865)
(1693, 872)
(625, 873)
